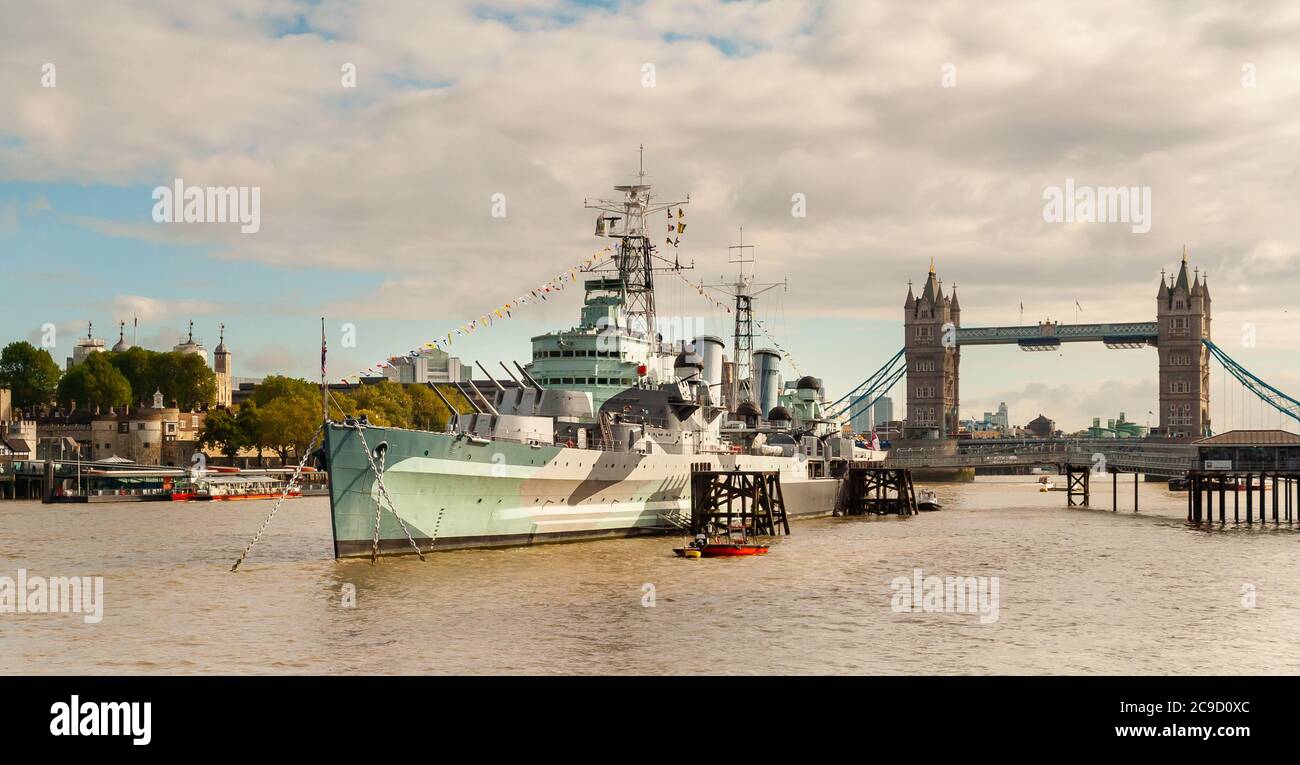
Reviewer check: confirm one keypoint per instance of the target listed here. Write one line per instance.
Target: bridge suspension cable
(1266, 393)
(879, 392)
(870, 386)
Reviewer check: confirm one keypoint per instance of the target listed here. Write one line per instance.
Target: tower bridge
(929, 364)
(934, 337)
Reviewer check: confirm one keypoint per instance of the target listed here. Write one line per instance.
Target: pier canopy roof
(1250, 451)
(1252, 438)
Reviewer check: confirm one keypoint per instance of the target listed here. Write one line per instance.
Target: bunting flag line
(676, 227)
(704, 292)
(555, 284)
(784, 353)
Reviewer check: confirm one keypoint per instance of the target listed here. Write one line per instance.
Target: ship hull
(454, 492)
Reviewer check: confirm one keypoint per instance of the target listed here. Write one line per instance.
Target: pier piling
(1202, 486)
(751, 498)
(877, 491)
(1076, 485)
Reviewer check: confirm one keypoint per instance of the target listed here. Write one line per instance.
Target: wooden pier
(1261, 493)
(723, 500)
(877, 491)
(1077, 485)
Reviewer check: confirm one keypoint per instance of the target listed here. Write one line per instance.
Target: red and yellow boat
(723, 550)
(721, 547)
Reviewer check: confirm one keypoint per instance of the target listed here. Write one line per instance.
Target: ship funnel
(709, 349)
(767, 373)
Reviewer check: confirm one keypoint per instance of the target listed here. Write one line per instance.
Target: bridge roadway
(1152, 457)
(1135, 334)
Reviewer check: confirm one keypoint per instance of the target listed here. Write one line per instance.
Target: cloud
(752, 102)
(13, 210)
(276, 358)
(154, 311)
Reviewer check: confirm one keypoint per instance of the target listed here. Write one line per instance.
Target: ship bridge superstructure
(616, 344)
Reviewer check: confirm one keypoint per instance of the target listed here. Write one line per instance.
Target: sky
(911, 131)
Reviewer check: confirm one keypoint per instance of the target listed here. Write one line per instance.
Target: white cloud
(542, 101)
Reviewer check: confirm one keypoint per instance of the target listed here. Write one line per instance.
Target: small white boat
(1046, 484)
(927, 500)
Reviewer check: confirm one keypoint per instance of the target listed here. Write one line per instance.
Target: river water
(1078, 591)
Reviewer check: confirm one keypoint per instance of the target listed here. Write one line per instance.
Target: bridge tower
(1183, 317)
(930, 325)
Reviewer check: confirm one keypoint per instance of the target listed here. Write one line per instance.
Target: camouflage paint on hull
(458, 492)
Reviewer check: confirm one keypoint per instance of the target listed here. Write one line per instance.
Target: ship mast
(744, 290)
(635, 258)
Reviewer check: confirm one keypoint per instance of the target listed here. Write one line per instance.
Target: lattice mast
(635, 258)
(743, 291)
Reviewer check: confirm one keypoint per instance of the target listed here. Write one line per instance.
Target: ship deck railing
(596, 446)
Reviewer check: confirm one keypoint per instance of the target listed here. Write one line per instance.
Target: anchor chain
(384, 495)
(297, 473)
(379, 502)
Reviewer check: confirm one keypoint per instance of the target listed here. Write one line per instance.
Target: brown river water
(1079, 591)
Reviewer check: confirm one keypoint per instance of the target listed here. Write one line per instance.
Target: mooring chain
(379, 501)
(383, 492)
(285, 493)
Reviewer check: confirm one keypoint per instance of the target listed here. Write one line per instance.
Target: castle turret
(86, 346)
(221, 365)
(1183, 316)
(930, 324)
(122, 345)
(192, 346)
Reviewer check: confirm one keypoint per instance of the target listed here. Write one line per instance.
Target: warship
(598, 435)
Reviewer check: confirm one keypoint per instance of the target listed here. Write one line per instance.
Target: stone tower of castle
(930, 341)
(221, 365)
(1183, 315)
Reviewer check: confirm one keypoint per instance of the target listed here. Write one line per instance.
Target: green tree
(247, 420)
(136, 365)
(278, 386)
(184, 378)
(287, 425)
(180, 377)
(29, 373)
(427, 412)
(94, 382)
(221, 428)
(385, 403)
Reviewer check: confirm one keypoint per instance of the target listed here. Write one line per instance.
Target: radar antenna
(743, 290)
(635, 258)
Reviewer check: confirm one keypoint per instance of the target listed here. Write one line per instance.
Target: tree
(180, 377)
(184, 378)
(278, 386)
(247, 422)
(94, 382)
(136, 365)
(222, 428)
(385, 403)
(288, 424)
(29, 373)
(427, 411)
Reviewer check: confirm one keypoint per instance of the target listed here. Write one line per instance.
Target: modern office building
(429, 365)
(883, 411)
